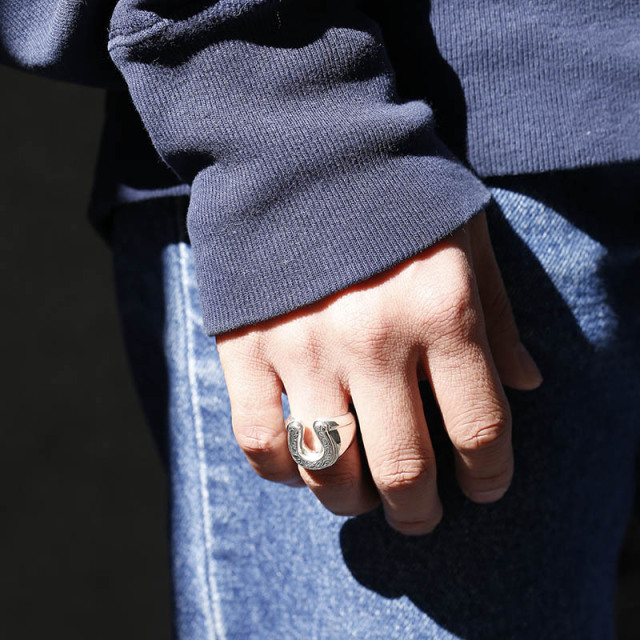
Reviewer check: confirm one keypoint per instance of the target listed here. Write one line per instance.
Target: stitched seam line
(211, 604)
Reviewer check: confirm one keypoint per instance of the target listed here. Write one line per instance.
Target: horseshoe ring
(335, 436)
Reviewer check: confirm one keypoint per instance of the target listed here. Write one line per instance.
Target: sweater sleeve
(307, 171)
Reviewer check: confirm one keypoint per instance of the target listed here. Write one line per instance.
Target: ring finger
(341, 488)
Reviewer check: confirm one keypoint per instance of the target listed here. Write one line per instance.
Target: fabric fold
(307, 171)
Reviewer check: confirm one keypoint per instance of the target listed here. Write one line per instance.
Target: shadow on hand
(541, 562)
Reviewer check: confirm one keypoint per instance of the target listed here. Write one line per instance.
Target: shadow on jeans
(548, 550)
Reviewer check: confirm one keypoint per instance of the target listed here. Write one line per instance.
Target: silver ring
(335, 436)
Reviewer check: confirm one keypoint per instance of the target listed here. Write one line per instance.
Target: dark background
(83, 533)
(83, 543)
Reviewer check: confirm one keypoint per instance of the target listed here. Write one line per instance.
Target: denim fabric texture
(255, 560)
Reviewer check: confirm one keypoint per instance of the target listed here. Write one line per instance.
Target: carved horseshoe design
(332, 445)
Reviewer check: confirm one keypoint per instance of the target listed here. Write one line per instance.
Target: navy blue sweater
(323, 141)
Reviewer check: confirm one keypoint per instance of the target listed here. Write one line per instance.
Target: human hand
(444, 315)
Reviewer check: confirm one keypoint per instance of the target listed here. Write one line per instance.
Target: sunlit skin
(443, 315)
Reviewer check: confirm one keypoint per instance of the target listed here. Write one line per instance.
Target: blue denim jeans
(253, 559)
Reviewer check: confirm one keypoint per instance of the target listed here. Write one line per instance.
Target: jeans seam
(214, 619)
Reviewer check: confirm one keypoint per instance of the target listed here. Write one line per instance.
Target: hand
(443, 314)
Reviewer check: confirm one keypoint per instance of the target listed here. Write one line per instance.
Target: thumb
(515, 365)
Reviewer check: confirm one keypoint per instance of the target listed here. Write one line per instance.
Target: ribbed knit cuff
(308, 172)
(340, 233)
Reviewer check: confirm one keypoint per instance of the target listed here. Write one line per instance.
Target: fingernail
(532, 376)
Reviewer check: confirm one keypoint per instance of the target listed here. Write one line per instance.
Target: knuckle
(374, 334)
(482, 437)
(454, 314)
(302, 345)
(371, 342)
(241, 351)
(482, 433)
(256, 441)
(260, 446)
(394, 475)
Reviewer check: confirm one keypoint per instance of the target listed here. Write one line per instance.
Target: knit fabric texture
(324, 141)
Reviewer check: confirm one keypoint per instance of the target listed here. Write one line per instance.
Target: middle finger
(398, 446)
